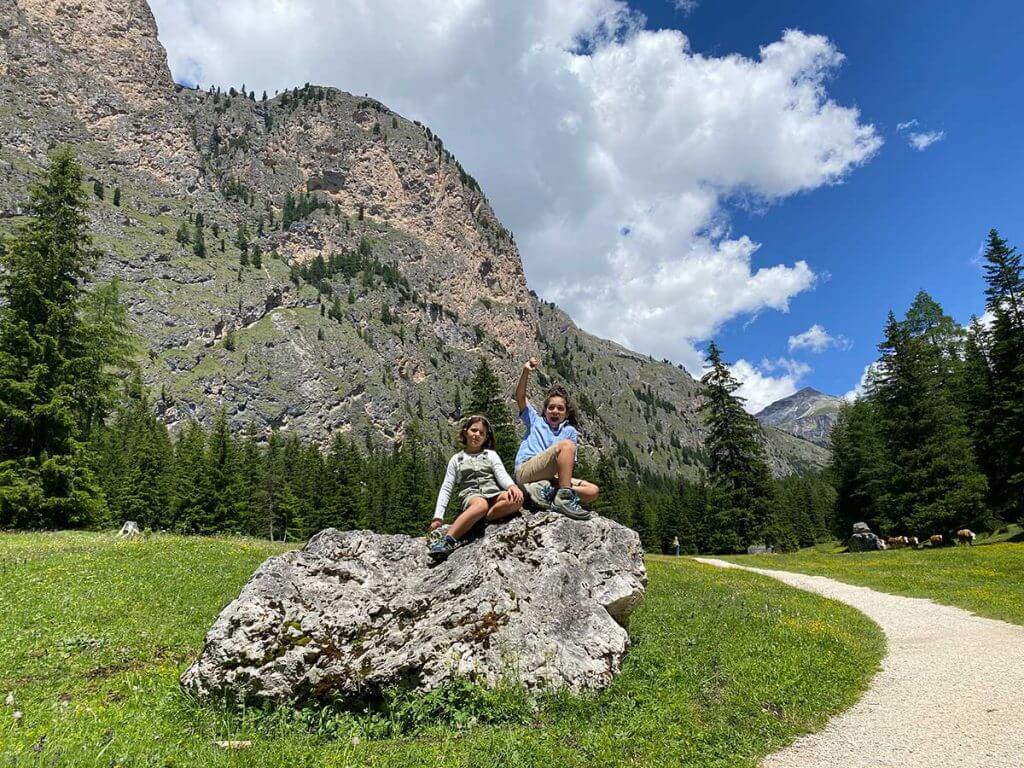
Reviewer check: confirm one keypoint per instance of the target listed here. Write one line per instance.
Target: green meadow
(725, 667)
(986, 579)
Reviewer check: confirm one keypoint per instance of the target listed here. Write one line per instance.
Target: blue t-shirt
(539, 434)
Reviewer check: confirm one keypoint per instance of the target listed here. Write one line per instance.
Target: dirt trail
(950, 691)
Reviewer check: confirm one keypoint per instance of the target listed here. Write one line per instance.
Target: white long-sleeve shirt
(452, 472)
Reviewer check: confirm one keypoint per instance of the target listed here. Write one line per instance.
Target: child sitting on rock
(547, 454)
(485, 489)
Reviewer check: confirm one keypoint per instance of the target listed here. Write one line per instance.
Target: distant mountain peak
(807, 413)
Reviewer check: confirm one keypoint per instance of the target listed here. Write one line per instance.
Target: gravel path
(950, 691)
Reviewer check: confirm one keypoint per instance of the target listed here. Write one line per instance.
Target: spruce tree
(192, 486)
(744, 507)
(344, 463)
(861, 467)
(487, 399)
(227, 506)
(1004, 276)
(199, 241)
(133, 456)
(58, 350)
(935, 484)
(117, 196)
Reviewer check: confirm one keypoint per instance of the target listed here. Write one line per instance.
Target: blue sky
(673, 177)
(906, 220)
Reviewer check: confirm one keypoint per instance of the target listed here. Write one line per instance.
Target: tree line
(937, 441)
(81, 445)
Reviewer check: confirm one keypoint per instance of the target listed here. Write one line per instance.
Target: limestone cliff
(410, 278)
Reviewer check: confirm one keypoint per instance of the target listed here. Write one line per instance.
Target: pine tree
(117, 196)
(133, 457)
(744, 503)
(97, 189)
(487, 398)
(59, 348)
(976, 391)
(242, 238)
(199, 241)
(861, 466)
(228, 503)
(1004, 276)
(935, 484)
(257, 257)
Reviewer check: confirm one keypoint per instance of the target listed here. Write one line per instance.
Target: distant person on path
(547, 454)
(675, 545)
(485, 488)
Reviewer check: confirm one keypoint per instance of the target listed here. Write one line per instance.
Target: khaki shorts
(543, 466)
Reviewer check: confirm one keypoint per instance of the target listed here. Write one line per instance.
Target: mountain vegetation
(937, 442)
(310, 262)
(85, 448)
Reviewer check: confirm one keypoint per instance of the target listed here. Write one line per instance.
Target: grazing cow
(965, 536)
(897, 542)
(913, 542)
(936, 540)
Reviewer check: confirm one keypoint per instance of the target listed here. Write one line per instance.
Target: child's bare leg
(470, 516)
(566, 460)
(503, 507)
(587, 491)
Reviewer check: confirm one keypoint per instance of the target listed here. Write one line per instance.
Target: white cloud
(861, 388)
(817, 339)
(921, 141)
(904, 126)
(582, 126)
(685, 7)
(759, 388)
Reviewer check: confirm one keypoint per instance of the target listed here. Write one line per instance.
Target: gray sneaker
(567, 501)
(540, 494)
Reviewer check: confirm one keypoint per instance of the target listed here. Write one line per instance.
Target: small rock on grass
(241, 744)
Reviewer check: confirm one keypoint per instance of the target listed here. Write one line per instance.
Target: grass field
(725, 668)
(987, 580)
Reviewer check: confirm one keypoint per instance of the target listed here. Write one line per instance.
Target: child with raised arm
(548, 452)
(485, 489)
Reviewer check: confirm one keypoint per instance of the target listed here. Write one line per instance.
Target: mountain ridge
(361, 351)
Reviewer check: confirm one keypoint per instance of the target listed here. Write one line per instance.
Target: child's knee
(567, 445)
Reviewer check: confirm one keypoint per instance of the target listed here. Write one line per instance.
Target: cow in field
(965, 536)
(936, 540)
(912, 541)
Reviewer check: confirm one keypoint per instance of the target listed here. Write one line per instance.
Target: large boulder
(541, 599)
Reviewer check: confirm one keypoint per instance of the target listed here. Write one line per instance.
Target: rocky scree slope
(418, 279)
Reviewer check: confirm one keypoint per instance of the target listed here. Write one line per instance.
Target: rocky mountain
(808, 414)
(352, 273)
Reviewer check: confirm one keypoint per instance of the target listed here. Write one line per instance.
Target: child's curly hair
(570, 407)
(469, 422)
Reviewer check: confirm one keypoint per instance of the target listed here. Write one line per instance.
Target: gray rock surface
(541, 599)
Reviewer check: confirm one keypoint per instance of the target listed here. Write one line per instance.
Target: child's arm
(528, 367)
(444, 494)
(501, 475)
